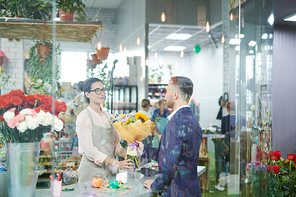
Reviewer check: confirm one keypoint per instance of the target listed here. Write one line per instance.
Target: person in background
(161, 113)
(97, 139)
(179, 148)
(145, 104)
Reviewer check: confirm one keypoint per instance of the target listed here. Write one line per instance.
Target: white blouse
(85, 139)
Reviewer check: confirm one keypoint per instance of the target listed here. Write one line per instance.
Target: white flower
(25, 111)
(8, 115)
(57, 124)
(38, 81)
(32, 122)
(47, 87)
(47, 119)
(41, 116)
(22, 127)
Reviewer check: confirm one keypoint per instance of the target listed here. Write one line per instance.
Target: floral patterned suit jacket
(177, 156)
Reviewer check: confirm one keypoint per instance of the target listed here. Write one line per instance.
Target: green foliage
(35, 9)
(81, 16)
(41, 68)
(5, 79)
(71, 5)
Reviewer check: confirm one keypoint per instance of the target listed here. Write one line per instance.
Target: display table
(137, 190)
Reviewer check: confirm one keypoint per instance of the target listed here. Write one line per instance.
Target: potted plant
(40, 66)
(68, 7)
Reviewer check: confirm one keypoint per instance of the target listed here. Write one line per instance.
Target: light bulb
(222, 39)
(138, 41)
(147, 61)
(141, 78)
(163, 17)
(99, 45)
(207, 26)
(182, 53)
(120, 47)
(155, 54)
(124, 49)
(231, 17)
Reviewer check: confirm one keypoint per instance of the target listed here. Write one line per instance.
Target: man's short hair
(184, 86)
(145, 103)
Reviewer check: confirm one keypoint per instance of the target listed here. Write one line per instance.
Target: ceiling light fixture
(291, 17)
(270, 19)
(99, 45)
(264, 36)
(155, 54)
(120, 47)
(124, 49)
(163, 17)
(252, 43)
(182, 53)
(149, 46)
(208, 26)
(147, 61)
(138, 41)
(178, 36)
(234, 41)
(174, 48)
(222, 39)
(231, 16)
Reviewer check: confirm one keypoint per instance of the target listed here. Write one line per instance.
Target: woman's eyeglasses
(98, 91)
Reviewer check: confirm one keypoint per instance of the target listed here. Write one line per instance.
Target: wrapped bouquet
(132, 127)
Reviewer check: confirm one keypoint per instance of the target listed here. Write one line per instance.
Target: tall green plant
(71, 5)
(41, 68)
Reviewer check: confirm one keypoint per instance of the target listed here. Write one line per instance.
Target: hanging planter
(43, 50)
(2, 56)
(102, 52)
(66, 16)
(95, 59)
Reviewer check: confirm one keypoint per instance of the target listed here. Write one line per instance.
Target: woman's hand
(125, 164)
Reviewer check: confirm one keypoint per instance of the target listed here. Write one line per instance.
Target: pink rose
(13, 122)
(12, 109)
(20, 117)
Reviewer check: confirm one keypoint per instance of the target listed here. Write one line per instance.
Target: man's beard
(170, 104)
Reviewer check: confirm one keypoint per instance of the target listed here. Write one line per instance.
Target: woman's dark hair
(85, 86)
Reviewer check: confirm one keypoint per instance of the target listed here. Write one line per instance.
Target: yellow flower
(141, 116)
(119, 122)
(128, 121)
(122, 115)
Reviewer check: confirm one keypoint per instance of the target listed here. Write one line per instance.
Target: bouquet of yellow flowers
(132, 127)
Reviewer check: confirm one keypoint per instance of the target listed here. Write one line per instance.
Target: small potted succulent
(67, 8)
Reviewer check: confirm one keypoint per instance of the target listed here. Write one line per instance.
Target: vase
(22, 164)
(66, 16)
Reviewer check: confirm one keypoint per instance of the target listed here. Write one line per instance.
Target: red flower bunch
(292, 157)
(276, 169)
(269, 167)
(17, 99)
(276, 155)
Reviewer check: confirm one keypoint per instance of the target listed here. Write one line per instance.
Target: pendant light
(141, 78)
(231, 16)
(99, 45)
(208, 26)
(182, 53)
(120, 47)
(155, 54)
(163, 17)
(223, 39)
(124, 49)
(147, 61)
(138, 41)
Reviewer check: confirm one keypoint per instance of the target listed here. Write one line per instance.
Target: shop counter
(83, 188)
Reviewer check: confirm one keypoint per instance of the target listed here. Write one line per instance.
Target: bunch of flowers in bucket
(131, 128)
(26, 118)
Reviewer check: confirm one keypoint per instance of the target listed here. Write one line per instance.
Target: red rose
(295, 158)
(1, 118)
(269, 168)
(63, 106)
(270, 155)
(295, 165)
(17, 93)
(16, 101)
(277, 153)
(276, 169)
(275, 158)
(291, 157)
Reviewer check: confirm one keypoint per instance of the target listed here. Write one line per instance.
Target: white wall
(206, 72)
(180, 65)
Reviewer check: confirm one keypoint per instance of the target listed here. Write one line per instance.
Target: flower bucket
(95, 60)
(43, 51)
(102, 53)
(66, 16)
(22, 164)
